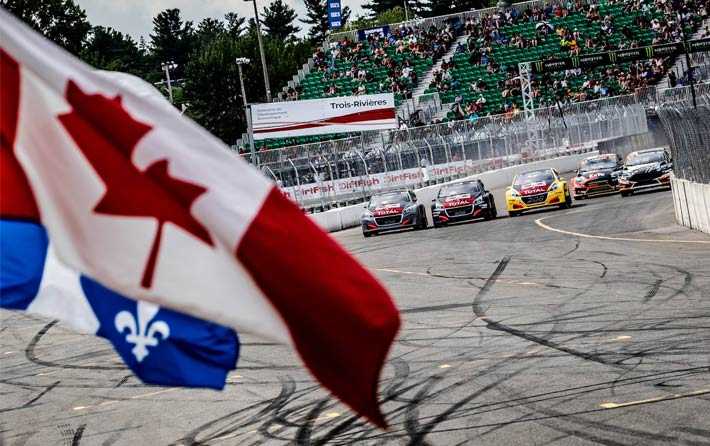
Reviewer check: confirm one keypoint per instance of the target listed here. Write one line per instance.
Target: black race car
(645, 169)
(463, 200)
(393, 210)
(596, 175)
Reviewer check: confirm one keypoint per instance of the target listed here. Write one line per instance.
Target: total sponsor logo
(458, 200)
(534, 188)
(389, 209)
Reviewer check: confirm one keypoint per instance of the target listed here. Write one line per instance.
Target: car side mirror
(414, 199)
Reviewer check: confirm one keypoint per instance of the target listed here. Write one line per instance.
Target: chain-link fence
(342, 171)
(688, 129)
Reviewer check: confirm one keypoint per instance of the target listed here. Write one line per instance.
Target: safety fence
(333, 173)
(688, 129)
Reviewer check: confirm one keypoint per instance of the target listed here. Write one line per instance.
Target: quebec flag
(161, 346)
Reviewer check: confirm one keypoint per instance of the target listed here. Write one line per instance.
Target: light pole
(167, 66)
(406, 11)
(247, 112)
(261, 51)
(242, 61)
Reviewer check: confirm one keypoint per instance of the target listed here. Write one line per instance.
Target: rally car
(393, 210)
(537, 189)
(646, 169)
(596, 175)
(464, 200)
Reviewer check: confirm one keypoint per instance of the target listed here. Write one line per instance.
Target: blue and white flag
(161, 346)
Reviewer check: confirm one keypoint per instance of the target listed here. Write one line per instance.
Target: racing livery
(464, 200)
(646, 169)
(596, 175)
(392, 210)
(537, 189)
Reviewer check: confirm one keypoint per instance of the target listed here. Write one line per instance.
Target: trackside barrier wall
(692, 204)
(688, 129)
(348, 217)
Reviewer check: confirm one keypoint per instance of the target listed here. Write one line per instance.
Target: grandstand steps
(426, 80)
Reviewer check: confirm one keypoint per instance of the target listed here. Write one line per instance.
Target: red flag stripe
(342, 324)
(16, 198)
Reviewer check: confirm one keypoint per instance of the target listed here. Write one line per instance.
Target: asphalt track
(557, 327)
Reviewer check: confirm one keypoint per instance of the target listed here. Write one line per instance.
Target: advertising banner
(322, 116)
(384, 31)
(334, 12)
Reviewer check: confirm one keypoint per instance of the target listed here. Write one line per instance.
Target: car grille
(535, 199)
(455, 212)
(600, 185)
(646, 176)
(389, 220)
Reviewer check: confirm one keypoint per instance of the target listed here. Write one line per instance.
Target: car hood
(458, 200)
(643, 170)
(592, 175)
(389, 209)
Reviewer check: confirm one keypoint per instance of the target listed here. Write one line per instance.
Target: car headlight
(553, 187)
(514, 193)
(438, 207)
(367, 215)
(479, 200)
(411, 209)
(579, 180)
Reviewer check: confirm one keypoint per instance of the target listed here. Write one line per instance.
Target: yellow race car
(537, 189)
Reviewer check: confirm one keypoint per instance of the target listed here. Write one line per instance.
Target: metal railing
(688, 130)
(331, 173)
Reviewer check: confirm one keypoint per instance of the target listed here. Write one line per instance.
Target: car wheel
(513, 213)
(366, 234)
(492, 211)
(625, 193)
(422, 223)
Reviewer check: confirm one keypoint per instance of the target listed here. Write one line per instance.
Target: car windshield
(391, 198)
(644, 158)
(596, 164)
(458, 189)
(536, 176)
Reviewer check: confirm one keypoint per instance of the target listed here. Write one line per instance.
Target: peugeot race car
(596, 175)
(465, 200)
(537, 189)
(393, 210)
(646, 169)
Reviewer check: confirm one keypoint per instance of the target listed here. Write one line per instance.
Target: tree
(108, 49)
(278, 21)
(440, 7)
(378, 6)
(235, 24)
(61, 21)
(171, 40)
(317, 17)
(209, 29)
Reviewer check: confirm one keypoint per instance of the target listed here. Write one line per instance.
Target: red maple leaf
(107, 135)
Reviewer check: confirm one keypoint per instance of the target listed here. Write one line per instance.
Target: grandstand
(481, 78)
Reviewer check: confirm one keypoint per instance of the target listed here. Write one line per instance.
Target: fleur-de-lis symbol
(144, 334)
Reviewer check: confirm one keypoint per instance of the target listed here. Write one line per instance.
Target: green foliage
(108, 49)
(205, 55)
(278, 20)
(394, 15)
(61, 21)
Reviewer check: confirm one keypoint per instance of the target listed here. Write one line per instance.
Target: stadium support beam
(525, 68)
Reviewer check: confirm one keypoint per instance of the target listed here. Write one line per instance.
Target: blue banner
(334, 12)
(382, 30)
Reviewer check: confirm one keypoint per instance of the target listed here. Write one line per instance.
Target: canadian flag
(148, 203)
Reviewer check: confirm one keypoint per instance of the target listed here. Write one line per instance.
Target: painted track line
(604, 237)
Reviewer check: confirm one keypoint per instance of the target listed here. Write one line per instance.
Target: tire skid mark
(652, 292)
(42, 393)
(494, 325)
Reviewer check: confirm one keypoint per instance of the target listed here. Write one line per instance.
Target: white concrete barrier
(692, 204)
(348, 217)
